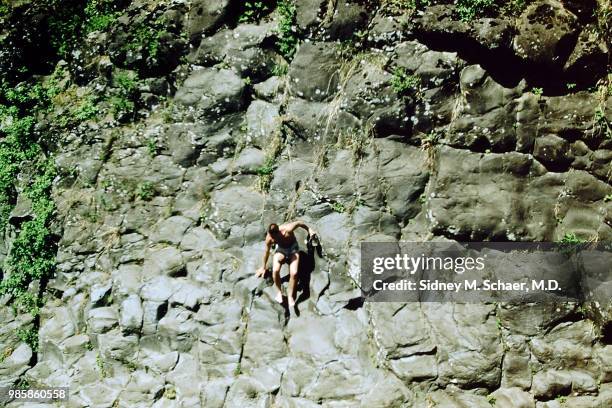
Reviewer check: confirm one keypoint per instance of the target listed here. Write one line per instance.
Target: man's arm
(261, 271)
(300, 224)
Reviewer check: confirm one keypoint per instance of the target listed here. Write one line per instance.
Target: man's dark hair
(273, 228)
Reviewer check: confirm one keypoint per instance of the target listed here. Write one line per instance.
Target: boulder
(212, 92)
(546, 33)
(314, 71)
(205, 16)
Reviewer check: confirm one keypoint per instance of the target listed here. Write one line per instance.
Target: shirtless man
(287, 251)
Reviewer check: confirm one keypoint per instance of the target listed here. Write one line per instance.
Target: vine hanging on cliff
(287, 29)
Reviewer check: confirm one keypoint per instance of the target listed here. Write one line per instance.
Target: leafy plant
(99, 15)
(604, 18)
(253, 11)
(537, 91)
(152, 147)
(397, 7)
(5, 8)
(101, 366)
(29, 337)
(402, 81)
(469, 9)
(280, 69)
(265, 170)
(338, 207)
(571, 238)
(123, 102)
(147, 37)
(515, 7)
(265, 174)
(287, 29)
(146, 191)
(84, 110)
(69, 22)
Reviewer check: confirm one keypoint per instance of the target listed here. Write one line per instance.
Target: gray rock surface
(406, 124)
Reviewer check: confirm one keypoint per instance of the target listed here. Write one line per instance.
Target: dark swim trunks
(288, 251)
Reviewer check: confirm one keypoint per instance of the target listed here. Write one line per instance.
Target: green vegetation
(515, 7)
(101, 366)
(253, 11)
(397, 7)
(99, 15)
(469, 9)
(604, 18)
(287, 31)
(5, 8)
(152, 147)
(145, 190)
(280, 69)
(32, 255)
(265, 173)
(84, 110)
(338, 207)
(601, 124)
(273, 150)
(170, 393)
(29, 337)
(571, 238)
(145, 36)
(266, 169)
(402, 81)
(25, 168)
(491, 400)
(123, 101)
(71, 21)
(537, 91)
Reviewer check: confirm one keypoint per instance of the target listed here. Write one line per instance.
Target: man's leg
(277, 262)
(293, 276)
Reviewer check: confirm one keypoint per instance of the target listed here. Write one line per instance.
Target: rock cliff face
(182, 128)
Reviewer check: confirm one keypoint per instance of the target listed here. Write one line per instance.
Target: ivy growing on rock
(26, 172)
(287, 28)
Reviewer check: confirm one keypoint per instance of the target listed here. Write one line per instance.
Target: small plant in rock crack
(491, 400)
(101, 366)
(145, 191)
(265, 173)
(287, 29)
(571, 238)
(338, 207)
(402, 81)
(470, 9)
(602, 125)
(253, 11)
(153, 147)
(280, 69)
(397, 7)
(537, 91)
(123, 101)
(29, 337)
(515, 7)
